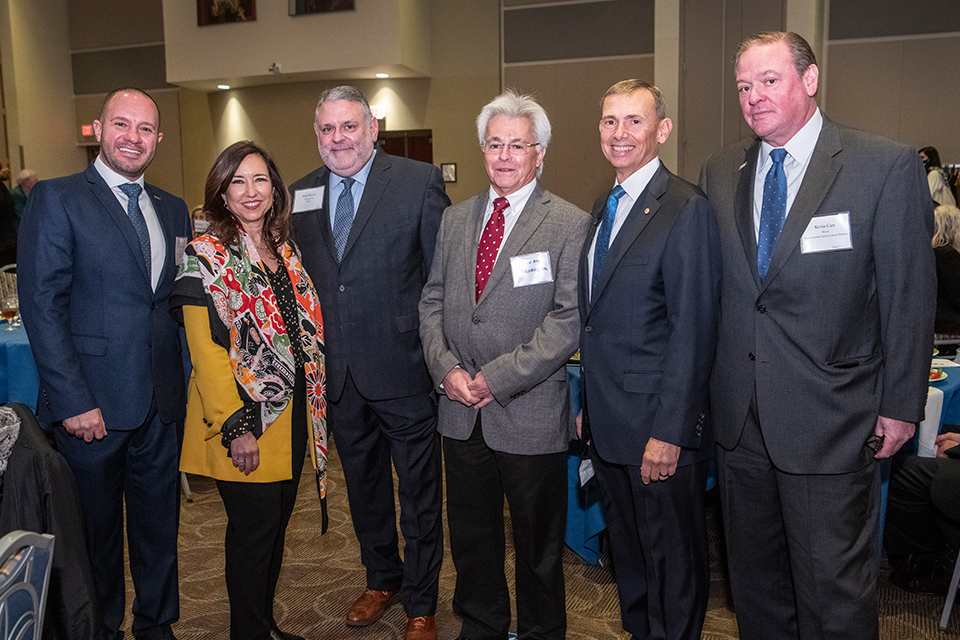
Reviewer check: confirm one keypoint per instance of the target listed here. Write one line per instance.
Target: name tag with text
(307, 199)
(532, 268)
(827, 233)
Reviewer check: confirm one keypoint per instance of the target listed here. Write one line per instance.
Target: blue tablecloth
(584, 516)
(18, 372)
(951, 402)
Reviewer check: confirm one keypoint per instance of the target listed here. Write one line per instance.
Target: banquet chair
(24, 577)
(951, 595)
(12, 268)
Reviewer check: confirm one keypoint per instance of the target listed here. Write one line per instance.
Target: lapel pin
(646, 211)
(741, 166)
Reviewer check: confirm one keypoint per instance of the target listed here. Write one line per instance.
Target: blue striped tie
(603, 236)
(773, 210)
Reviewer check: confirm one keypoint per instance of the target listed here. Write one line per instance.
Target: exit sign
(86, 129)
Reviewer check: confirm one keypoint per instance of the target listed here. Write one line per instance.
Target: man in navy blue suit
(99, 253)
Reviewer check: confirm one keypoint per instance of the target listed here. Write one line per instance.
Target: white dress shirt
(799, 150)
(633, 186)
(518, 200)
(158, 248)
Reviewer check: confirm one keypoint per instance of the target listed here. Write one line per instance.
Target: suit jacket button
(476, 321)
(587, 329)
(342, 288)
(762, 309)
(751, 356)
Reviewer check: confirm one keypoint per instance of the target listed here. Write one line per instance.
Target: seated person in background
(25, 182)
(922, 533)
(946, 249)
(936, 177)
(256, 397)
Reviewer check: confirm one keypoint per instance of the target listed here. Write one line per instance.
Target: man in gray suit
(826, 331)
(498, 320)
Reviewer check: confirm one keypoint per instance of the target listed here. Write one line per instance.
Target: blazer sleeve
(906, 287)
(45, 269)
(435, 202)
(212, 369)
(691, 269)
(437, 354)
(555, 340)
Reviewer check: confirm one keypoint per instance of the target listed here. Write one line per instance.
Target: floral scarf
(260, 351)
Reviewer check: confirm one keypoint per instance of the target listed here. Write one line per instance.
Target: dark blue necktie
(603, 235)
(773, 210)
(343, 219)
(132, 189)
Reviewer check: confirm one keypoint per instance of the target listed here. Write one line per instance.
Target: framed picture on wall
(449, 171)
(306, 7)
(224, 11)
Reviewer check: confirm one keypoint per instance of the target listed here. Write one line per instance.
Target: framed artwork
(306, 7)
(449, 171)
(224, 11)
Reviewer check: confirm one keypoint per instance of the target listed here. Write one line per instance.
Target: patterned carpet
(322, 575)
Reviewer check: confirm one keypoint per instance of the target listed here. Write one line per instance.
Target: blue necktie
(773, 210)
(132, 189)
(603, 236)
(343, 219)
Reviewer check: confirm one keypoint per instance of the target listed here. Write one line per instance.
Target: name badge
(532, 268)
(307, 199)
(179, 246)
(827, 233)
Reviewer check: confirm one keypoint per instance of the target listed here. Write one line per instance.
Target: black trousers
(658, 538)
(369, 434)
(802, 549)
(914, 523)
(257, 518)
(535, 486)
(138, 469)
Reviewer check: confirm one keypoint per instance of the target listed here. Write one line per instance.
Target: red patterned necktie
(490, 244)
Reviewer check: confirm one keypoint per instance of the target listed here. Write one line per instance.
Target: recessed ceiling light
(383, 75)
(223, 86)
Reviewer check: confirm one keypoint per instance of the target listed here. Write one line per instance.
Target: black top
(948, 290)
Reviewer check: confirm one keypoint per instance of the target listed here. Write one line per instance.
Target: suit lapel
(642, 212)
(112, 206)
(584, 283)
(377, 181)
(322, 219)
(530, 218)
(473, 228)
(821, 172)
(744, 177)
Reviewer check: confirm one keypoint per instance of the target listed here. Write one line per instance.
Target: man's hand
(894, 434)
(946, 441)
(88, 425)
(659, 461)
(579, 422)
(245, 453)
(456, 386)
(480, 389)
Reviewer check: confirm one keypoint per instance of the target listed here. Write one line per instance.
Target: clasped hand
(466, 389)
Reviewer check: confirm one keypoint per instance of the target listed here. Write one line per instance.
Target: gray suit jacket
(827, 341)
(520, 337)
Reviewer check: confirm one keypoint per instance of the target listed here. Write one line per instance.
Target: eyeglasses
(494, 147)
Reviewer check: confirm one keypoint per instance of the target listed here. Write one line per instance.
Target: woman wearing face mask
(256, 398)
(937, 177)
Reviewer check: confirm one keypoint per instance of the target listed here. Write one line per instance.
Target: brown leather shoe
(370, 606)
(422, 628)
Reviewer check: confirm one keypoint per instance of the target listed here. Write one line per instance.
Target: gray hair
(346, 92)
(515, 105)
(946, 225)
(26, 174)
(626, 87)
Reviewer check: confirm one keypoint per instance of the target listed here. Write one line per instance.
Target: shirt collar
(360, 176)
(517, 198)
(800, 146)
(637, 182)
(111, 177)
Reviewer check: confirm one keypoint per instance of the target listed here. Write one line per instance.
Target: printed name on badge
(827, 233)
(532, 268)
(307, 199)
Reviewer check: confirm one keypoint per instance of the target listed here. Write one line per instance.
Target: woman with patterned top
(256, 395)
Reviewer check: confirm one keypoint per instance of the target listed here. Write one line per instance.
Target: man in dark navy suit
(366, 223)
(98, 258)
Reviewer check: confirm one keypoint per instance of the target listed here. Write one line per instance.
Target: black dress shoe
(276, 634)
